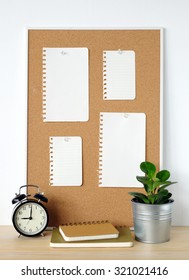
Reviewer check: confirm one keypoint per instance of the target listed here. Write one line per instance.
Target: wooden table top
(38, 248)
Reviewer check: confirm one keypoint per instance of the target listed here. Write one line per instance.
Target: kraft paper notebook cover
(65, 160)
(122, 148)
(125, 239)
(90, 231)
(119, 75)
(65, 84)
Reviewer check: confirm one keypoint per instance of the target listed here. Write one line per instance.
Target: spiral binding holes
(104, 76)
(51, 161)
(44, 84)
(85, 223)
(100, 149)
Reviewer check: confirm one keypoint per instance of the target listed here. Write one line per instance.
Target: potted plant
(152, 210)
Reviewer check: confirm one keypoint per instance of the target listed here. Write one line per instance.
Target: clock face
(30, 218)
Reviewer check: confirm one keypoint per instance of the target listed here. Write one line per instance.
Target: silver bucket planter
(152, 222)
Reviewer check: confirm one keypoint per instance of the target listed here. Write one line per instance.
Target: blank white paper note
(122, 148)
(65, 161)
(65, 85)
(119, 75)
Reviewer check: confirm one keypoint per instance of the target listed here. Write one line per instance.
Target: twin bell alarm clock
(30, 217)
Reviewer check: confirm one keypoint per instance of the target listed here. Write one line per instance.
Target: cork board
(90, 202)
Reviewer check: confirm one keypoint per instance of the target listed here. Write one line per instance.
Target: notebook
(119, 75)
(65, 160)
(65, 85)
(122, 148)
(125, 239)
(89, 231)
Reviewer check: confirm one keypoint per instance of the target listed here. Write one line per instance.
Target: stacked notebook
(102, 234)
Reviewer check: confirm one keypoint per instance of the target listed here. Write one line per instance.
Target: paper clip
(125, 115)
(66, 139)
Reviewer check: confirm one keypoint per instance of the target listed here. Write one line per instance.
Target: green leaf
(148, 168)
(143, 179)
(163, 175)
(165, 185)
(140, 197)
(148, 183)
(157, 184)
(162, 192)
(147, 188)
(163, 199)
(152, 198)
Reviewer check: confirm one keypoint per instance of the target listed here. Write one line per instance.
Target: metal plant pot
(152, 222)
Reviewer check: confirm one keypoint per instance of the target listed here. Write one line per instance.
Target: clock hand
(31, 213)
(30, 217)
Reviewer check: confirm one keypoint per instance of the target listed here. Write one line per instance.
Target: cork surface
(90, 202)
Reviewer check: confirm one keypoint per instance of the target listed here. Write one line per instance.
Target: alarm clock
(30, 217)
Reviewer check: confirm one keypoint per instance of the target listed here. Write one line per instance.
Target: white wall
(16, 16)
